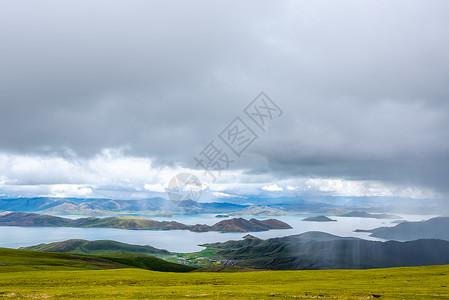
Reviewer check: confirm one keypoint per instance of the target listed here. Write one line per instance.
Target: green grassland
(38, 275)
(396, 283)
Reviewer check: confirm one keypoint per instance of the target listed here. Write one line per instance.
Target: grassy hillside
(395, 283)
(12, 260)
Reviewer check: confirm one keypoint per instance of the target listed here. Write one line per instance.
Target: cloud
(66, 190)
(272, 188)
(155, 188)
(341, 187)
(222, 195)
(112, 174)
(363, 89)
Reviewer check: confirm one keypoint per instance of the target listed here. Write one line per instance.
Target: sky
(114, 98)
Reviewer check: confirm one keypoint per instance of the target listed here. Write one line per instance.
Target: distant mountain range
(318, 250)
(435, 228)
(75, 206)
(155, 207)
(231, 225)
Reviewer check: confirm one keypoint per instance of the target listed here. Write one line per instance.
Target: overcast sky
(113, 98)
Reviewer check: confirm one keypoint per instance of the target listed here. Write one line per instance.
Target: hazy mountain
(364, 214)
(435, 228)
(263, 210)
(152, 206)
(160, 206)
(317, 250)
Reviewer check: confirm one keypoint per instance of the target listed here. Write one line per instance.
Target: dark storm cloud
(363, 84)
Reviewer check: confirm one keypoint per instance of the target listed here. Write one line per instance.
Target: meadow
(76, 276)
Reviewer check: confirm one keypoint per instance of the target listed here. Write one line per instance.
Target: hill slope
(12, 260)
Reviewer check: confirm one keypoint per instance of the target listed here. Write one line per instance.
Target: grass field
(395, 283)
(39, 275)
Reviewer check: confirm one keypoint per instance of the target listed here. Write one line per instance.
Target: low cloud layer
(363, 87)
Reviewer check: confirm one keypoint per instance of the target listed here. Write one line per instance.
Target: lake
(187, 241)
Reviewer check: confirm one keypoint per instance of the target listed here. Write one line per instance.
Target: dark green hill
(95, 247)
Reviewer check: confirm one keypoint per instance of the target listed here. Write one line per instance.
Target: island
(318, 219)
(137, 223)
(364, 214)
